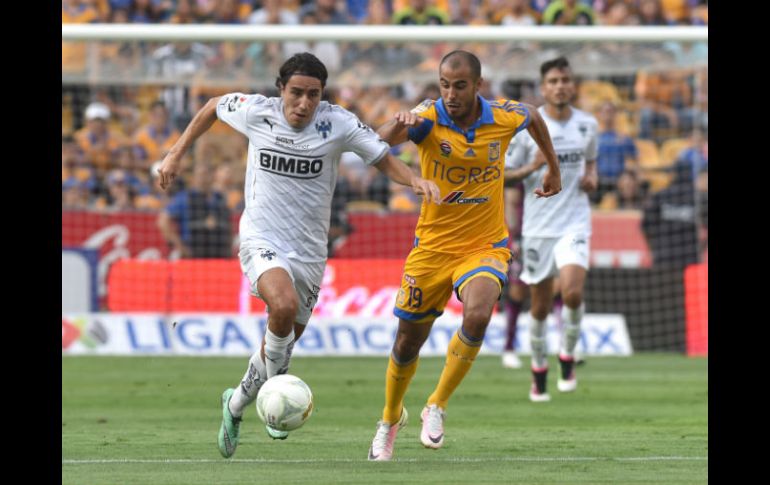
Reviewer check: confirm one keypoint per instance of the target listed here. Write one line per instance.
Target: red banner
(616, 241)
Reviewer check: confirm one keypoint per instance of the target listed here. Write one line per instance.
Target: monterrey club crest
(324, 127)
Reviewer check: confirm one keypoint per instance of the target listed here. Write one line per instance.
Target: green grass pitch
(154, 420)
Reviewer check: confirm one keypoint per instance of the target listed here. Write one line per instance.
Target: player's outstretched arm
(513, 175)
(201, 122)
(395, 131)
(398, 172)
(539, 131)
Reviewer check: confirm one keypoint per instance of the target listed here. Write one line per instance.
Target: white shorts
(306, 277)
(543, 257)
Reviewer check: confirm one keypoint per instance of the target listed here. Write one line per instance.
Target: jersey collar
(486, 118)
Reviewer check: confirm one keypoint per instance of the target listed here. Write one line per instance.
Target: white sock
(538, 343)
(277, 352)
(572, 318)
(252, 381)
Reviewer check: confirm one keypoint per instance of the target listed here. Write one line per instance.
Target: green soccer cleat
(276, 434)
(228, 432)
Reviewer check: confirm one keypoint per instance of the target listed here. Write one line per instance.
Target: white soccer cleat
(511, 360)
(567, 381)
(432, 434)
(385, 437)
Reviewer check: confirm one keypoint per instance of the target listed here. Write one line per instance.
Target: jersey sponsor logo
(410, 279)
(445, 147)
(266, 254)
(324, 128)
(494, 151)
(284, 142)
(290, 165)
(570, 157)
(457, 174)
(456, 197)
(532, 255)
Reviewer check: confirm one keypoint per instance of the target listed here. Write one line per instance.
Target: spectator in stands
(568, 12)
(325, 12)
(670, 223)
(175, 62)
(661, 96)
(696, 156)
(419, 12)
(650, 13)
(202, 219)
(158, 136)
(517, 13)
(225, 184)
(327, 51)
(617, 152)
(120, 192)
(628, 194)
(96, 139)
(75, 194)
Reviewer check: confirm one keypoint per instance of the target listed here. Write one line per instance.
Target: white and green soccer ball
(284, 402)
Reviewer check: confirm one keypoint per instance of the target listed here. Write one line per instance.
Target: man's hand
(426, 188)
(551, 184)
(168, 171)
(589, 182)
(408, 119)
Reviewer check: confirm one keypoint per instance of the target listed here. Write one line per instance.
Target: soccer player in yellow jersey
(461, 244)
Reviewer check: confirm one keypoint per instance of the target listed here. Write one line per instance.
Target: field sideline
(141, 420)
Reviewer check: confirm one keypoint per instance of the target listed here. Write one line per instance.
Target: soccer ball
(284, 402)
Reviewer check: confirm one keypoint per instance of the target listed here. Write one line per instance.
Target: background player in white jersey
(295, 144)
(557, 231)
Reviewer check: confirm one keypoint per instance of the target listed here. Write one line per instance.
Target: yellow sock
(397, 379)
(459, 358)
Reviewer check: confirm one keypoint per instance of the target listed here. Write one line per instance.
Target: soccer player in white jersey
(557, 231)
(295, 143)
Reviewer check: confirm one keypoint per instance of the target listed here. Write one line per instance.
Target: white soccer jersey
(574, 141)
(291, 173)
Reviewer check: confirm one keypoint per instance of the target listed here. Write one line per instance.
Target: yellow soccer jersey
(468, 168)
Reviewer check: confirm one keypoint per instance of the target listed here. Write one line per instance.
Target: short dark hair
(458, 57)
(560, 62)
(305, 64)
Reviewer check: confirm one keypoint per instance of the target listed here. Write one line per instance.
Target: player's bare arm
(539, 131)
(513, 175)
(395, 131)
(590, 181)
(397, 171)
(172, 162)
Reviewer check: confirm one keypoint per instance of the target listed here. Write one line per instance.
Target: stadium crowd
(653, 121)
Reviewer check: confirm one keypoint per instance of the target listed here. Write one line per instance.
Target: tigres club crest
(494, 151)
(324, 127)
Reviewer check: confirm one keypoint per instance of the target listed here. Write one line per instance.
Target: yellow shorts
(430, 277)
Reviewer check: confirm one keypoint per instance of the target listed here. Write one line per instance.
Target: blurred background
(149, 272)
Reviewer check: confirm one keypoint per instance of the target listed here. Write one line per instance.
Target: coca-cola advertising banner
(364, 276)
